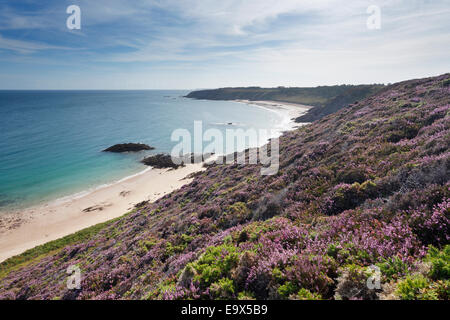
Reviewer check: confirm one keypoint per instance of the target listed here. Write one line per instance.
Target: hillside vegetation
(366, 186)
(325, 99)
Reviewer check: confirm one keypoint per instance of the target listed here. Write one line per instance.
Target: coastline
(290, 111)
(40, 224)
(20, 231)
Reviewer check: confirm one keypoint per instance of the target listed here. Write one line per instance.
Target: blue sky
(187, 44)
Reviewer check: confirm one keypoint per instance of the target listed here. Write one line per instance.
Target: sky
(191, 44)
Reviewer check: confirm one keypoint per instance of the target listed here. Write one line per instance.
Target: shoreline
(43, 223)
(25, 229)
(293, 110)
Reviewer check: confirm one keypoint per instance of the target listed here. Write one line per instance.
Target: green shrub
(215, 263)
(393, 268)
(246, 295)
(305, 294)
(224, 288)
(287, 289)
(415, 288)
(440, 263)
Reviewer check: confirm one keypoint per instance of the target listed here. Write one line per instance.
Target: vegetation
(325, 99)
(348, 196)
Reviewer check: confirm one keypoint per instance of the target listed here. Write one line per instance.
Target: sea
(51, 141)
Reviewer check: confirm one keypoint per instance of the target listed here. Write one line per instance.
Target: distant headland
(324, 99)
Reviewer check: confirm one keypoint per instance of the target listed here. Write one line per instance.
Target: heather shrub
(432, 226)
(343, 197)
(234, 214)
(351, 175)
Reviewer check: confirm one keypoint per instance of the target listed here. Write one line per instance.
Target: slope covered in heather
(368, 185)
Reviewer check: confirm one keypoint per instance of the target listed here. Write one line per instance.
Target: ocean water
(51, 141)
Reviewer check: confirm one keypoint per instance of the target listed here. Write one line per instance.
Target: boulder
(128, 147)
(161, 161)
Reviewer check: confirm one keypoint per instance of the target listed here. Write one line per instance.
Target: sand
(20, 231)
(291, 111)
(51, 221)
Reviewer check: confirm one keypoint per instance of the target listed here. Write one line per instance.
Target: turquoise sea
(51, 141)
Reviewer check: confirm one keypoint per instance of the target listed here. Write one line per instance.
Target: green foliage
(186, 239)
(305, 294)
(215, 263)
(369, 188)
(287, 289)
(393, 268)
(224, 288)
(171, 249)
(440, 263)
(238, 208)
(246, 295)
(415, 288)
(333, 250)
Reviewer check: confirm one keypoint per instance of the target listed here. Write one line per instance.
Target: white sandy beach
(289, 111)
(20, 231)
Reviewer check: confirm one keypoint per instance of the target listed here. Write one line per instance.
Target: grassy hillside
(325, 99)
(368, 185)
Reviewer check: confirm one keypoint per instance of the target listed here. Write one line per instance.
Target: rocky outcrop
(128, 147)
(161, 161)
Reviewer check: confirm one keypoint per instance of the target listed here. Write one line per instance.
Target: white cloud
(27, 47)
(250, 42)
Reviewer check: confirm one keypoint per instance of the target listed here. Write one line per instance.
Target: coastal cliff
(324, 99)
(364, 188)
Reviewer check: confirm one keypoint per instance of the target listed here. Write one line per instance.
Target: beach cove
(24, 229)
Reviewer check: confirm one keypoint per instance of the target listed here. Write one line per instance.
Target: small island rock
(128, 147)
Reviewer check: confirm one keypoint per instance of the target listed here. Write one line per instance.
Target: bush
(348, 196)
(352, 284)
(287, 289)
(393, 268)
(440, 263)
(214, 264)
(415, 288)
(305, 294)
(224, 289)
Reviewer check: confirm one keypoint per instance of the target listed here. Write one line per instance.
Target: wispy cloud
(28, 47)
(203, 43)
